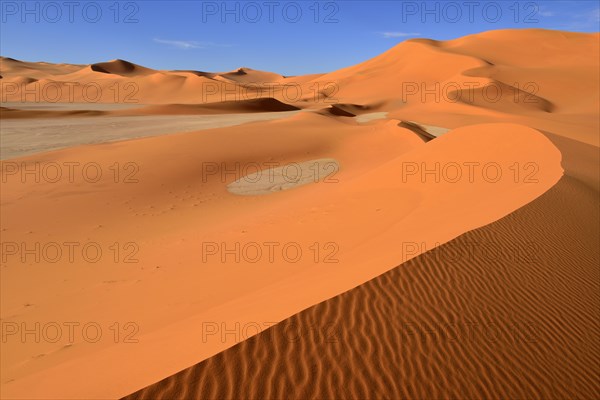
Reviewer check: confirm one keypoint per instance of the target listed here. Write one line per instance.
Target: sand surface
(190, 269)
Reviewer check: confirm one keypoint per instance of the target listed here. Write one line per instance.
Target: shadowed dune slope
(225, 107)
(11, 113)
(120, 67)
(509, 310)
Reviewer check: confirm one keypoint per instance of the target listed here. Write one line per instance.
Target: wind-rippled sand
(509, 310)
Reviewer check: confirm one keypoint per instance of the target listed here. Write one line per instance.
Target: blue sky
(288, 37)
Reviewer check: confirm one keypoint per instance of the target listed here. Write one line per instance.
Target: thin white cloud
(544, 11)
(389, 35)
(547, 13)
(180, 44)
(189, 44)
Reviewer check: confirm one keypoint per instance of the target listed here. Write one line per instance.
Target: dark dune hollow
(337, 111)
(423, 134)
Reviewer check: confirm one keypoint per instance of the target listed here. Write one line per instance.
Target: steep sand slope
(509, 310)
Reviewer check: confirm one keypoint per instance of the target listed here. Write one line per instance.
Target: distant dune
(225, 107)
(122, 81)
(483, 73)
(248, 75)
(121, 67)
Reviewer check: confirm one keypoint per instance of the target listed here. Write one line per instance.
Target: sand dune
(490, 70)
(11, 68)
(370, 188)
(121, 67)
(419, 170)
(505, 311)
(522, 84)
(248, 75)
(121, 81)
